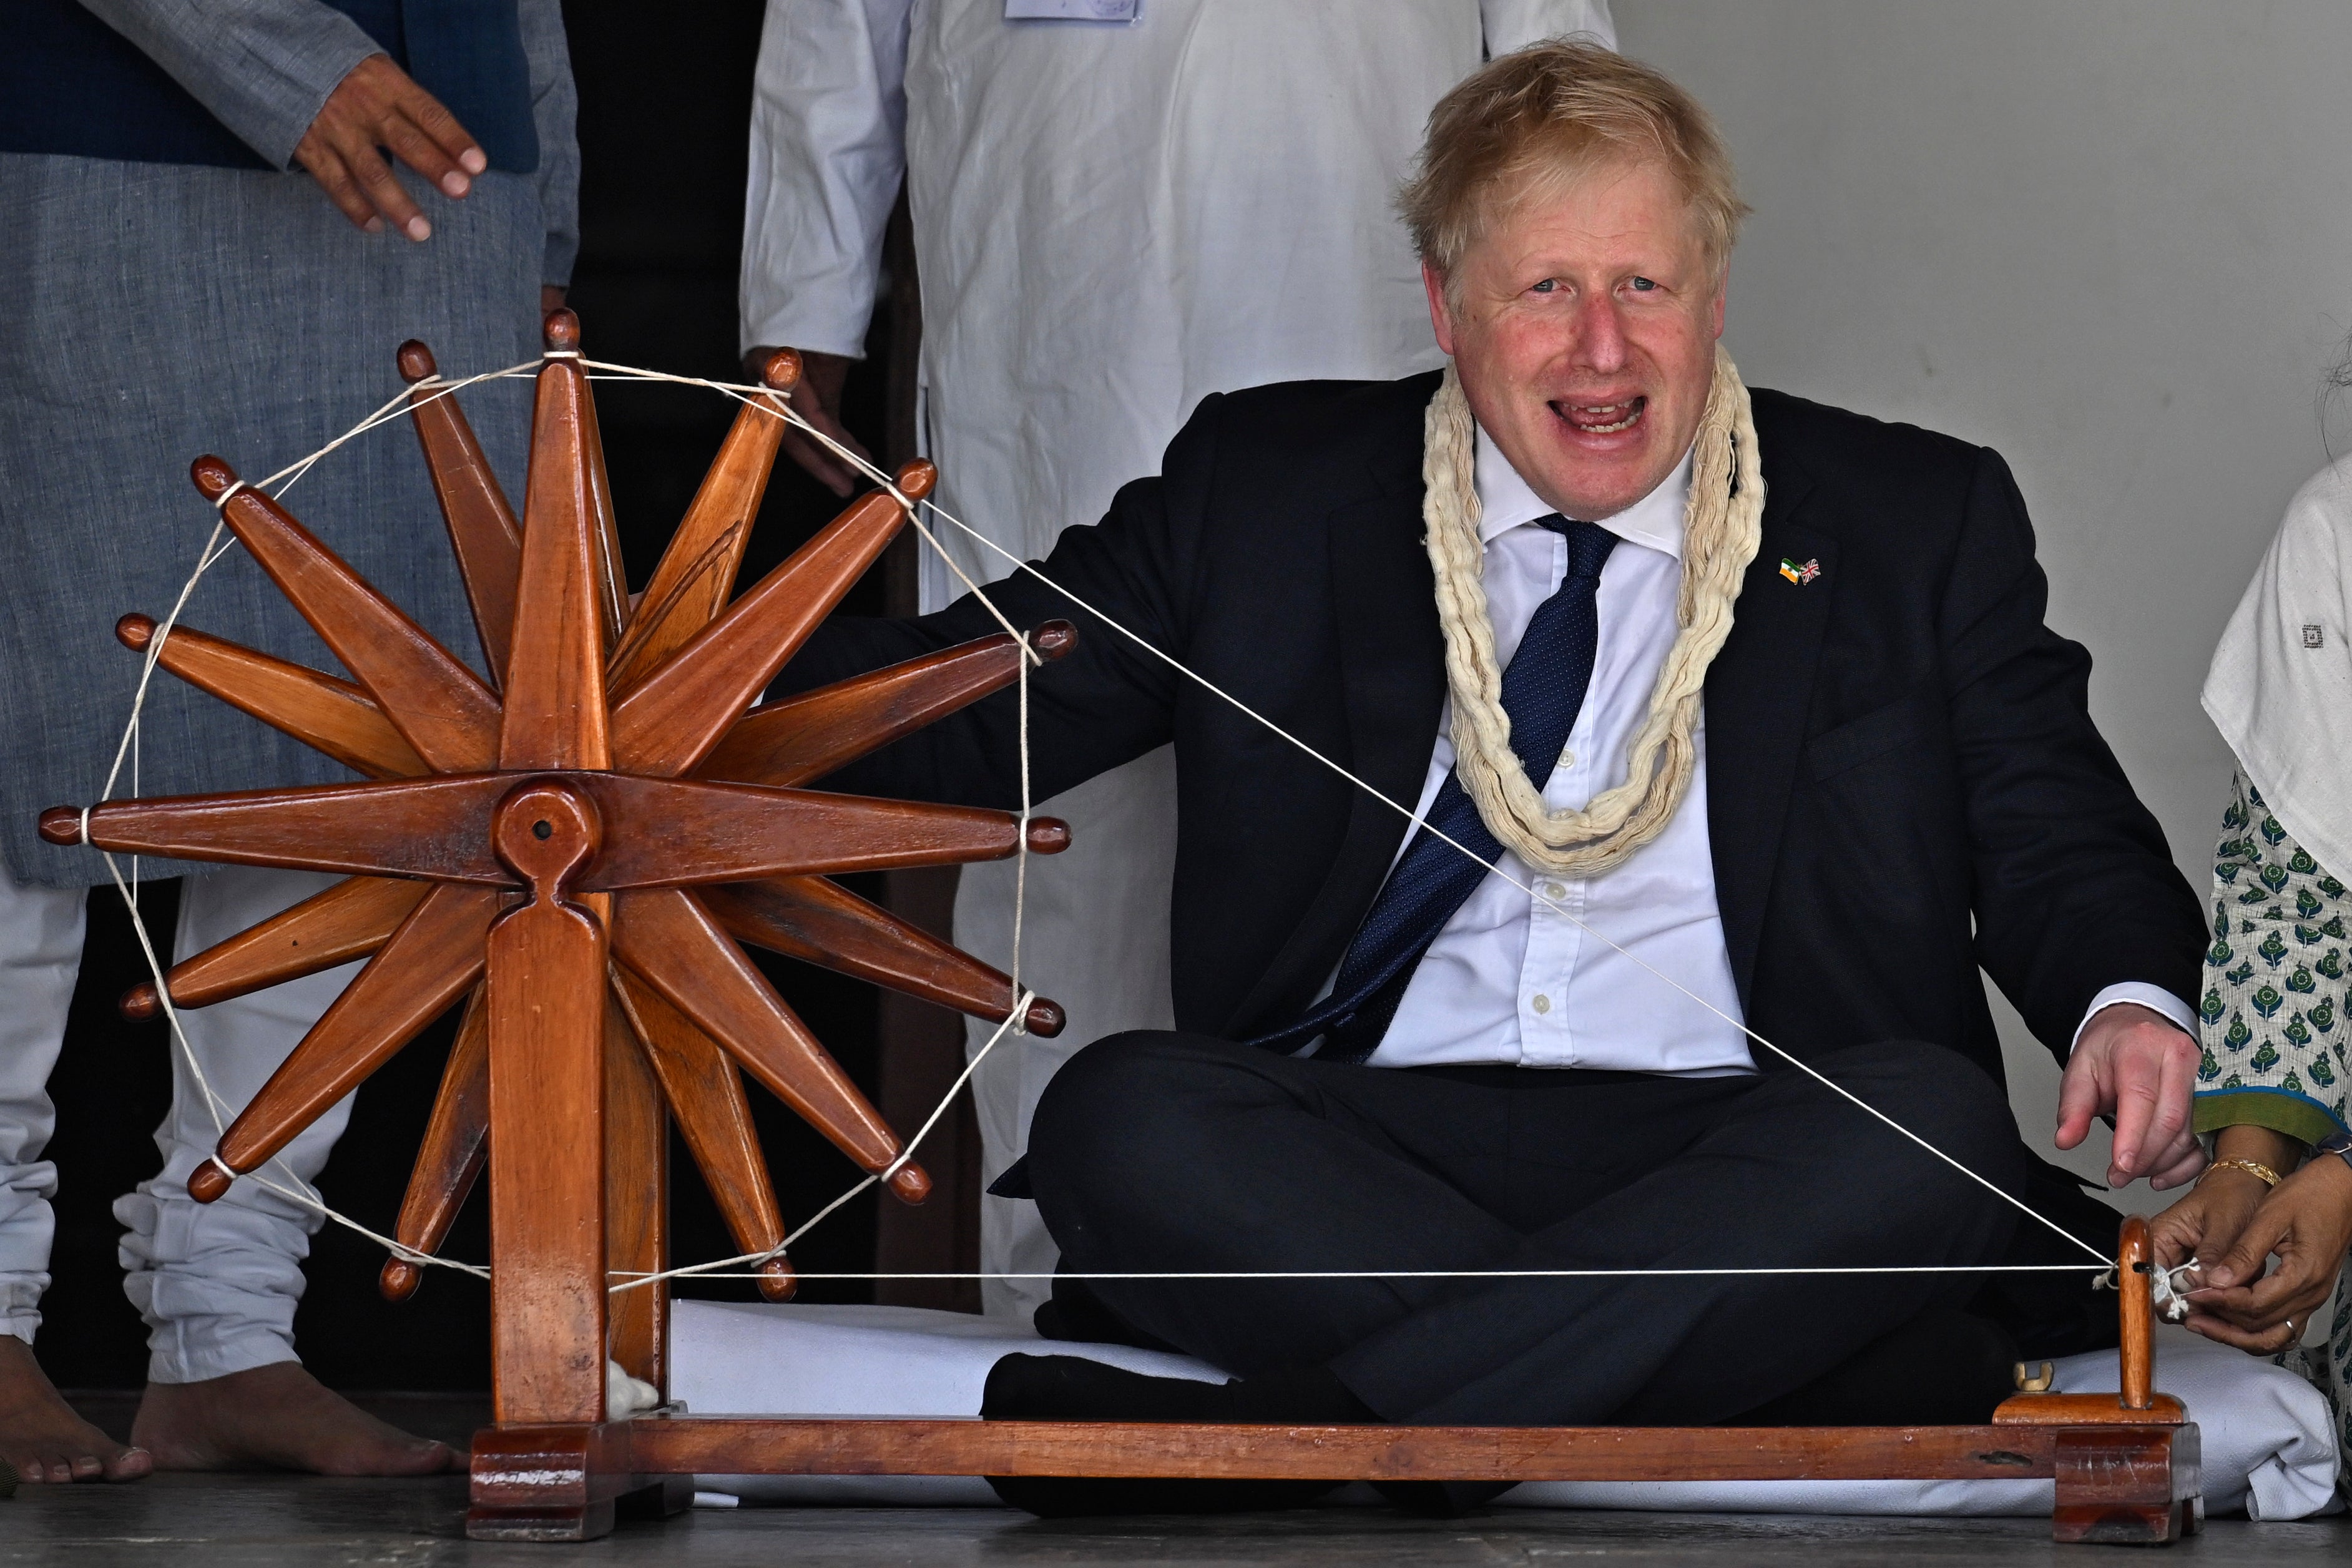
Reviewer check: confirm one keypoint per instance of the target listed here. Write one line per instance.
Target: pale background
(2111, 238)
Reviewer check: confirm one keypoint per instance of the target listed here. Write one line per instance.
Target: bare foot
(41, 1439)
(276, 1418)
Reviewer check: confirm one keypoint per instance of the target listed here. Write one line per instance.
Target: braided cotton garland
(1721, 527)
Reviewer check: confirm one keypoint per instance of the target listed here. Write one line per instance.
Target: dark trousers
(1180, 1153)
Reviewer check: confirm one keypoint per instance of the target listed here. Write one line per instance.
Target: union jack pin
(1799, 573)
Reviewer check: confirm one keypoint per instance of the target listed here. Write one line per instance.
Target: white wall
(2111, 238)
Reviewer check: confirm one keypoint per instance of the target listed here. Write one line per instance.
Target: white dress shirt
(1511, 980)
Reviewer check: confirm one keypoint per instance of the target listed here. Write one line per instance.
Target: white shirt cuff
(2155, 998)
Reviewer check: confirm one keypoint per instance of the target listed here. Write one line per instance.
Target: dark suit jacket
(1904, 781)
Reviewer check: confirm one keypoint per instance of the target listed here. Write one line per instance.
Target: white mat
(2268, 1446)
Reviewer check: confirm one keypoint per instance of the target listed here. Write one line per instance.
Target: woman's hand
(2208, 1221)
(2306, 1223)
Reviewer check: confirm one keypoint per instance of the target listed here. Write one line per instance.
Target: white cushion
(2268, 1445)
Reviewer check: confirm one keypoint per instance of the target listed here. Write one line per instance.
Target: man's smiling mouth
(1602, 419)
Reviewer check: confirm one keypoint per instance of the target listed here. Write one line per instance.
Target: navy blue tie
(1542, 691)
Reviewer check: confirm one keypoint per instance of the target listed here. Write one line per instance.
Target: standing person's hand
(2136, 1065)
(377, 107)
(817, 399)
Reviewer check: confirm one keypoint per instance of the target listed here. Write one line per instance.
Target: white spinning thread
(1416, 821)
(762, 396)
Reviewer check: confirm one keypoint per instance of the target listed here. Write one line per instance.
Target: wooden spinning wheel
(576, 846)
(609, 767)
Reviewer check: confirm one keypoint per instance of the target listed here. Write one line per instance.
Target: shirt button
(1554, 891)
(1542, 1003)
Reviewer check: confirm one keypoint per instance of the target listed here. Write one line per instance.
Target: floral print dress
(2274, 1032)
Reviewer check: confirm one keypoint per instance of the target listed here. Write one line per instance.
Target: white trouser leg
(40, 953)
(218, 1282)
(1094, 938)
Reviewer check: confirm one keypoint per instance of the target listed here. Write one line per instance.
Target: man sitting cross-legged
(1422, 1076)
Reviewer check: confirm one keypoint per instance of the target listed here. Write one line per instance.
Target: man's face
(1583, 327)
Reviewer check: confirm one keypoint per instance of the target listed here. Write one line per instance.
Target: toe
(85, 1467)
(130, 1465)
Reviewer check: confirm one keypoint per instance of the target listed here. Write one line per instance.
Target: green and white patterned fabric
(2274, 1030)
(2275, 1033)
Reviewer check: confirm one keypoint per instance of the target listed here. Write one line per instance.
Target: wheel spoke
(696, 575)
(673, 716)
(322, 712)
(676, 832)
(670, 941)
(823, 923)
(428, 963)
(449, 1161)
(555, 715)
(805, 737)
(437, 828)
(482, 527)
(704, 1088)
(351, 920)
(435, 702)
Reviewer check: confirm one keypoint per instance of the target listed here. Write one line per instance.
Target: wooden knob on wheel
(399, 1280)
(1044, 1018)
(1054, 638)
(61, 825)
(915, 480)
(777, 1282)
(1048, 836)
(782, 371)
(212, 476)
(910, 1183)
(211, 1180)
(135, 632)
(415, 362)
(561, 331)
(142, 1003)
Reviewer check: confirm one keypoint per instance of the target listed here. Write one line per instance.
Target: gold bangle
(2253, 1168)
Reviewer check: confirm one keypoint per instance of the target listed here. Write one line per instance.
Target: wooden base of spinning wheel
(2126, 1464)
(572, 848)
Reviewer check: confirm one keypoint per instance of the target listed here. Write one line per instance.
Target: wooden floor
(270, 1520)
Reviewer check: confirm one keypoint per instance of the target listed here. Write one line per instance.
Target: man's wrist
(2137, 993)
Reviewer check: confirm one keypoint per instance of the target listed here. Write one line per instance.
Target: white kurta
(1112, 220)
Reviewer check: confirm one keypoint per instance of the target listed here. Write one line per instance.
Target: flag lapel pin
(1799, 572)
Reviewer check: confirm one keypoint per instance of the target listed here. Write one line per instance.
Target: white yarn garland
(1722, 525)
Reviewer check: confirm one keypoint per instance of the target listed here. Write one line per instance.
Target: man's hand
(817, 399)
(2306, 1221)
(2136, 1066)
(375, 107)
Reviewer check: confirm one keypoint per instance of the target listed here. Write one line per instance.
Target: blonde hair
(1532, 121)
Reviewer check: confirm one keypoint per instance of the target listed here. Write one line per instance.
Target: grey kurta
(151, 313)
